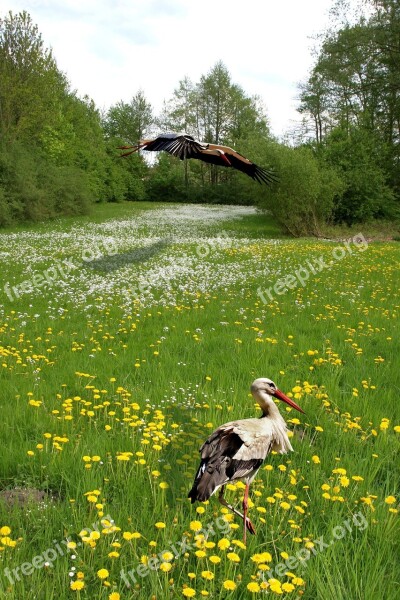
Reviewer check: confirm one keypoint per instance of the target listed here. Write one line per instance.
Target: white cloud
(111, 48)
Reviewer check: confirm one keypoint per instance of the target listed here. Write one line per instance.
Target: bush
(359, 156)
(34, 189)
(303, 198)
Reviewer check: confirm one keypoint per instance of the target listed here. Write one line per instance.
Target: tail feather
(209, 477)
(204, 486)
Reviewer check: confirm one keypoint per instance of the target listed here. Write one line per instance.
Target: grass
(115, 371)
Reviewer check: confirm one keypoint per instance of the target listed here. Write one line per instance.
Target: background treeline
(58, 151)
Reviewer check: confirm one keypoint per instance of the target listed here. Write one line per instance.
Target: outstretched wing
(181, 146)
(251, 169)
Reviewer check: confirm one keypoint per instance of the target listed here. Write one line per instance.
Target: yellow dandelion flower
(114, 596)
(229, 585)
(298, 581)
(5, 530)
(223, 544)
(195, 525)
(207, 575)
(339, 471)
(390, 500)
(214, 559)
(165, 567)
(275, 586)
(200, 553)
(77, 585)
(239, 544)
(188, 592)
(315, 459)
(102, 573)
(167, 556)
(160, 525)
(253, 587)
(232, 556)
(287, 587)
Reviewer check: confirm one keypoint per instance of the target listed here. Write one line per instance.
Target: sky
(109, 49)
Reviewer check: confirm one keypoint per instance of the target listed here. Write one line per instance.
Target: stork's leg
(247, 524)
(246, 520)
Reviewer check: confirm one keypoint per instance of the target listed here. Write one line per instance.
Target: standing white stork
(237, 449)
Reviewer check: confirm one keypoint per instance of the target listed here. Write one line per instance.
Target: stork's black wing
(181, 146)
(252, 170)
(218, 464)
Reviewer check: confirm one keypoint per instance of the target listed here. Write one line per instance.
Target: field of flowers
(126, 338)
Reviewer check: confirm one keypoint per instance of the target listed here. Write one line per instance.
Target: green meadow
(126, 338)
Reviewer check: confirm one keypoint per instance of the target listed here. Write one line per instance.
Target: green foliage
(129, 121)
(166, 183)
(52, 154)
(355, 85)
(303, 198)
(30, 83)
(33, 189)
(356, 153)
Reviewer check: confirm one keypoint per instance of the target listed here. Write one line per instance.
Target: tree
(129, 121)
(215, 110)
(30, 83)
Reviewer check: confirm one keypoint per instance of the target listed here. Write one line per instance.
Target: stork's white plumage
(237, 449)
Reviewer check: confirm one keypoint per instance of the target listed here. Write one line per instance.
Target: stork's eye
(272, 385)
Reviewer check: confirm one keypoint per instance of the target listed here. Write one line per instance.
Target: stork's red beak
(281, 396)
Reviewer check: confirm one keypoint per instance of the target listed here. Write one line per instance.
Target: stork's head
(264, 386)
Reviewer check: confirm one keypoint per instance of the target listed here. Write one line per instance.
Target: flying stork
(185, 146)
(237, 449)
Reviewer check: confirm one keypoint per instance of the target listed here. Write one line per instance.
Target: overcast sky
(110, 49)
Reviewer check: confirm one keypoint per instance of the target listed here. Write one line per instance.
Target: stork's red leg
(246, 520)
(247, 524)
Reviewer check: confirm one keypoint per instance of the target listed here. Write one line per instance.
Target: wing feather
(181, 146)
(233, 451)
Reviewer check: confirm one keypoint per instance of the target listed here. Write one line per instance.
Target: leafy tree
(30, 82)
(129, 121)
(215, 110)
